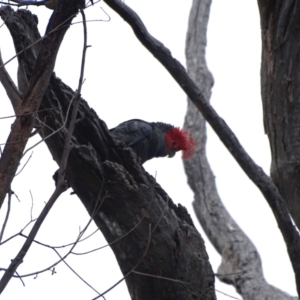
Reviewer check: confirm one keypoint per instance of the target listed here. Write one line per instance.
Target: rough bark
(103, 173)
(34, 93)
(280, 82)
(239, 255)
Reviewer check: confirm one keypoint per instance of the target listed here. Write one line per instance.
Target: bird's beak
(172, 154)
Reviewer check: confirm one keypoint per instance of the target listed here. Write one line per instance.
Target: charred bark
(150, 235)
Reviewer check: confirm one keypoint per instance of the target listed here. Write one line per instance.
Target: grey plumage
(146, 139)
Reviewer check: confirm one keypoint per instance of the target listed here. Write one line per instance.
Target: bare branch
(19, 258)
(128, 232)
(31, 209)
(28, 2)
(241, 264)
(53, 131)
(19, 233)
(61, 186)
(6, 216)
(63, 24)
(161, 277)
(27, 161)
(131, 271)
(20, 278)
(67, 143)
(81, 233)
(37, 85)
(14, 116)
(12, 91)
(76, 273)
(254, 172)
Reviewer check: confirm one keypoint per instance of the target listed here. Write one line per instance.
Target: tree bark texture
(148, 232)
(241, 263)
(280, 85)
(34, 93)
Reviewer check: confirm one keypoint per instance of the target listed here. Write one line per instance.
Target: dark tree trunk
(280, 83)
(148, 232)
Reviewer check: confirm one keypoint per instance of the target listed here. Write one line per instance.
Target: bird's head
(179, 139)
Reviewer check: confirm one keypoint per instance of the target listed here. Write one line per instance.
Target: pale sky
(124, 81)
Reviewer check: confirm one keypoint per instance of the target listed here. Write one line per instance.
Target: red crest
(180, 139)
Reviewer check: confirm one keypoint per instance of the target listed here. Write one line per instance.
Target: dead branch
(11, 89)
(61, 185)
(254, 172)
(6, 216)
(33, 95)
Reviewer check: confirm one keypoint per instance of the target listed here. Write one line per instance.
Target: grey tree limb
(34, 93)
(240, 259)
(253, 171)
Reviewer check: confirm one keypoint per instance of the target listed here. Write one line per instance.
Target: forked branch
(254, 172)
(61, 184)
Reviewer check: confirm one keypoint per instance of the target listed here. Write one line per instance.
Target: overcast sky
(124, 81)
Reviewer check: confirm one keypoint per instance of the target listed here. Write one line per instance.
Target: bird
(154, 139)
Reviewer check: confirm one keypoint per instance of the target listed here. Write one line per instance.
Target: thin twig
(131, 271)
(229, 274)
(25, 114)
(127, 233)
(81, 233)
(61, 185)
(6, 216)
(58, 27)
(76, 273)
(27, 3)
(227, 295)
(114, 241)
(54, 132)
(67, 145)
(24, 164)
(10, 87)
(20, 278)
(31, 209)
(148, 244)
(177, 281)
(19, 233)
(160, 277)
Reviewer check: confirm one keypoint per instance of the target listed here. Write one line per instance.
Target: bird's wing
(132, 132)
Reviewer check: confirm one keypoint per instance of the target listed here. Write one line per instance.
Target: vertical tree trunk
(280, 83)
